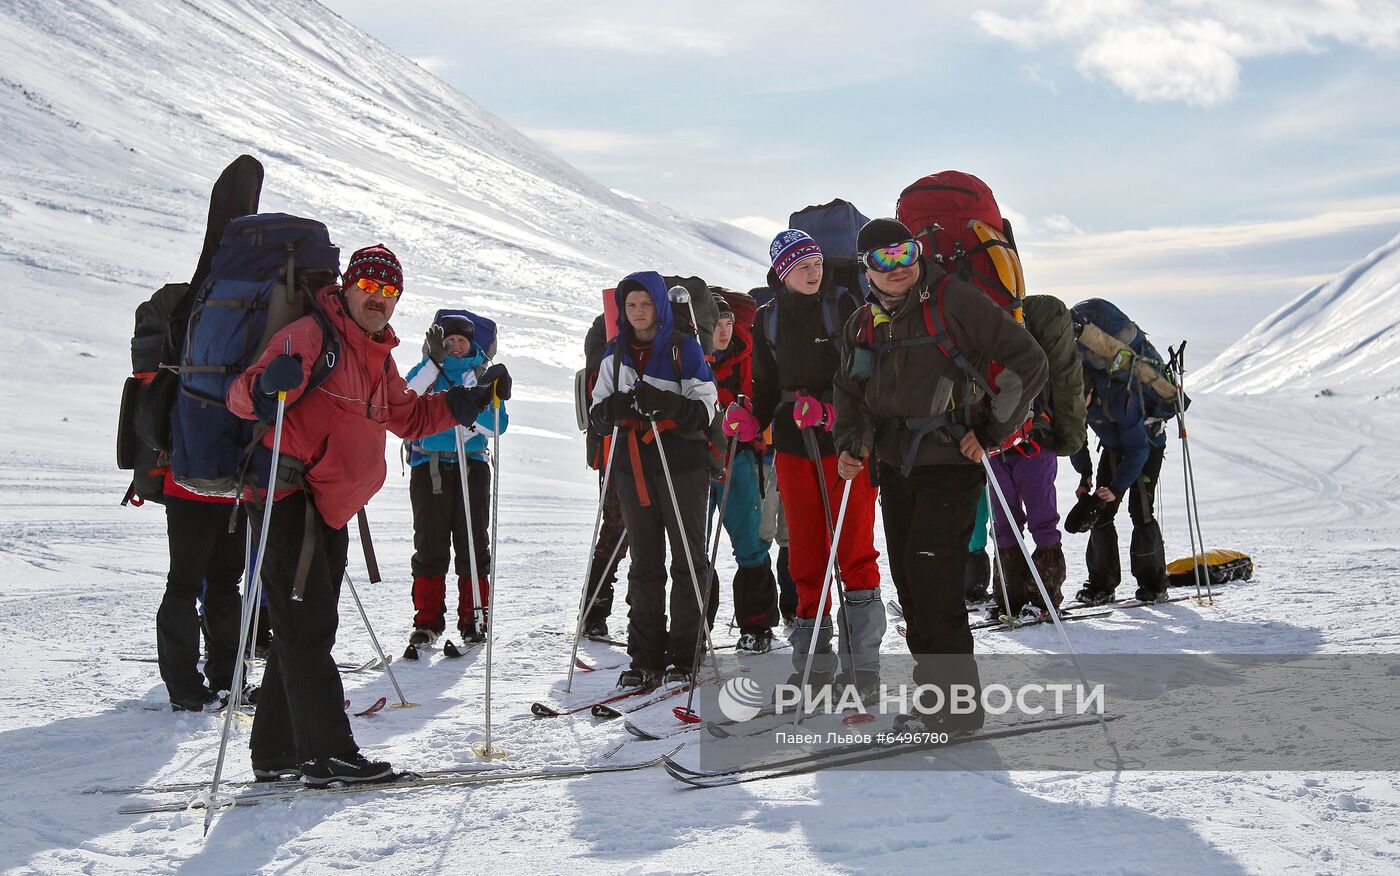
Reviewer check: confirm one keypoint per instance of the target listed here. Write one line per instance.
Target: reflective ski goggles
(373, 286)
(888, 258)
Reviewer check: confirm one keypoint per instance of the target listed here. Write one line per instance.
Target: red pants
(808, 542)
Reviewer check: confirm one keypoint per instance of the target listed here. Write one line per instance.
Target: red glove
(739, 420)
(809, 413)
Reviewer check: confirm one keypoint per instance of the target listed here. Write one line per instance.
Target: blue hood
(655, 286)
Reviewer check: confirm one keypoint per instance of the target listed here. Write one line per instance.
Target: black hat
(723, 308)
(1086, 514)
(879, 233)
(457, 325)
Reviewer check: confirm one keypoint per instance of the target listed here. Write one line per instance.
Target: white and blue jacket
(455, 371)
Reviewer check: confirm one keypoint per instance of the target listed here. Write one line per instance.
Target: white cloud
(1191, 50)
(1061, 224)
(760, 225)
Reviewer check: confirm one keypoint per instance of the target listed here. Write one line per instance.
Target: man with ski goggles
(915, 389)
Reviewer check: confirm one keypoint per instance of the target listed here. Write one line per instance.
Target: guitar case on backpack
(144, 441)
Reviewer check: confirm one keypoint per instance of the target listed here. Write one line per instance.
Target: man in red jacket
(332, 463)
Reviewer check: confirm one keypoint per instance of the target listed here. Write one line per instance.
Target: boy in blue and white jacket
(439, 516)
(652, 371)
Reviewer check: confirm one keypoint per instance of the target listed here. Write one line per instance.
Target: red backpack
(956, 217)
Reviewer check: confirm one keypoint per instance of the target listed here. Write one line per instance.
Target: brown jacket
(880, 385)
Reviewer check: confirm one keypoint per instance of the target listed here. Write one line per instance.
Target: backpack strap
(936, 323)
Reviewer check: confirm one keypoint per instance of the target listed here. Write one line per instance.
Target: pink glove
(810, 413)
(739, 420)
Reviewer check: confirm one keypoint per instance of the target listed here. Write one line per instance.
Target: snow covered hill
(118, 117)
(1339, 338)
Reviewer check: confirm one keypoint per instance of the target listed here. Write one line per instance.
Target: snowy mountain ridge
(1339, 338)
(120, 116)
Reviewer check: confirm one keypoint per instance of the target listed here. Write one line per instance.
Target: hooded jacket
(427, 377)
(917, 380)
(683, 372)
(337, 431)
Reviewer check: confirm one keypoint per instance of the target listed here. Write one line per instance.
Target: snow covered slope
(118, 116)
(1342, 336)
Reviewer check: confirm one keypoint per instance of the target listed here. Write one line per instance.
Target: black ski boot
(676, 675)
(201, 701)
(1091, 597)
(646, 679)
(350, 768)
(1149, 595)
(278, 769)
(595, 628)
(759, 642)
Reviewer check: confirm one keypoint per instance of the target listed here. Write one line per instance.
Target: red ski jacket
(338, 430)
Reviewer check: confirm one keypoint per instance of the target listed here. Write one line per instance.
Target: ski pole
(1045, 594)
(1193, 511)
(253, 587)
(814, 451)
(685, 547)
(686, 713)
(485, 750)
(460, 432)
(1001, 567)
(374, 640)
(585, 601)
(827, 578)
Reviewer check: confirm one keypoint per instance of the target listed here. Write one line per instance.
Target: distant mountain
(118, 116)
(1342, 337)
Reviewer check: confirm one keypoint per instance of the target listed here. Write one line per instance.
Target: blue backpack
(835, 227)
(1116, 323)
(264, 276)
(483, 330)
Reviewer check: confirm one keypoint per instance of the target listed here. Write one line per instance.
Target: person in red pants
(795, 358)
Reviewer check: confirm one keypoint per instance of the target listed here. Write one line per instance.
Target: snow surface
(117, 117)
(1340, 338)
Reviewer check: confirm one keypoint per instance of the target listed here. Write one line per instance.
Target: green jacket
(1062, 399)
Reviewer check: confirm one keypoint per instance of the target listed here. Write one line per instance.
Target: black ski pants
(650, 528)
(301, 711)
(929, 518)
(1147, 556)
(440, 519)
(204, 555)
(607, 553)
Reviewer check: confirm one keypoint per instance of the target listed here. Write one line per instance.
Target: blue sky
(1198, 162)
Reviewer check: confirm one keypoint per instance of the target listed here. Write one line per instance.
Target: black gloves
(661, 404)
(433, 347)
(283, 374)
(610, 411)
(466, 404)
(498, 375)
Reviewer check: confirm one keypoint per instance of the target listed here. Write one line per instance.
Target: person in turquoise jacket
(439, 515)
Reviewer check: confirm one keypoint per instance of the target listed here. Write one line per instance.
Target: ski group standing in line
(885, 367)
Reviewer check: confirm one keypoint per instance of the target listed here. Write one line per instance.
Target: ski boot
(1089, 597)
(276, 769)
(351, 768)
(760, 642)
(646, 679)
(421, 637)
(1149, 595)
(676, 675)
(595, 629)
(202, 700)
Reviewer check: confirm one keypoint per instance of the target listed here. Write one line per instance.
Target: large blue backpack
(263, 277)
(835, 227)
(1114, 322)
